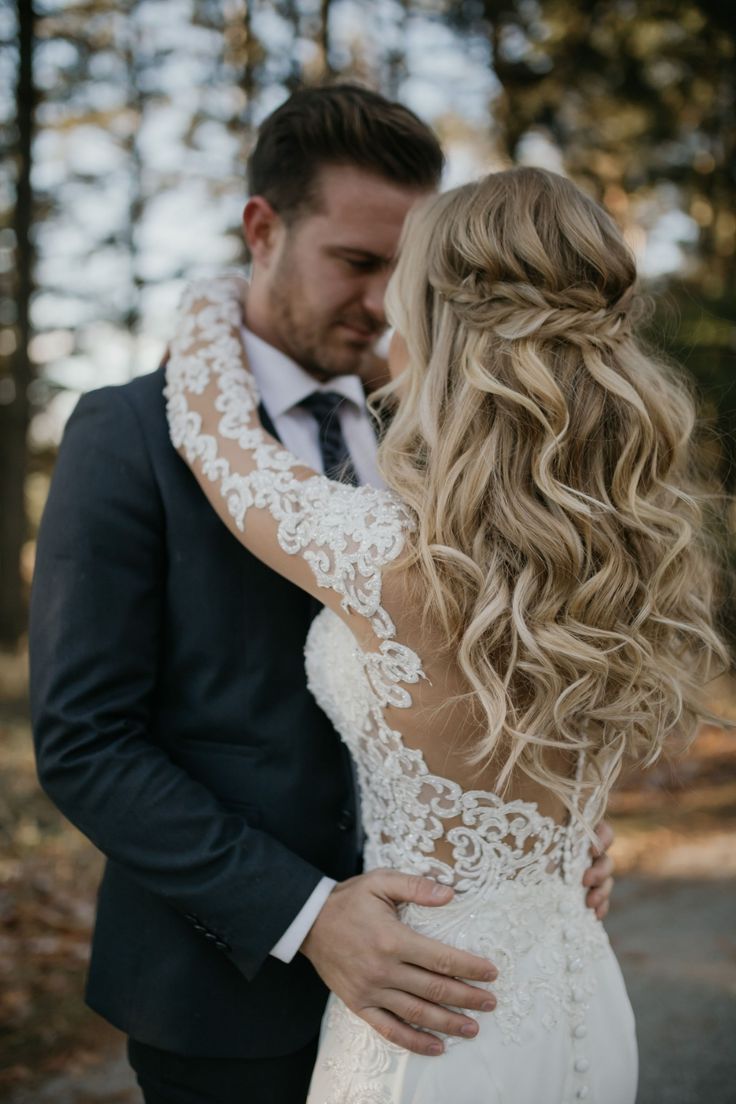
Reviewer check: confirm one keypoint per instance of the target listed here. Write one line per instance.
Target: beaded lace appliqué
(347, 535)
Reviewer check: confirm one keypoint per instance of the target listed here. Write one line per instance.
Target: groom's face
(324, 276)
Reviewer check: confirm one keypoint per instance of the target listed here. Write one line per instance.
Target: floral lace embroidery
(358, 1059)
(347, 535)
(404, 804)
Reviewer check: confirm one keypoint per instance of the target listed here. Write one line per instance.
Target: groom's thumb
(401, 888)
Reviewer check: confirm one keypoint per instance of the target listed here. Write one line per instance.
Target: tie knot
(322, 404)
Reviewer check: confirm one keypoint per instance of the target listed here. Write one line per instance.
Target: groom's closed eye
(360, 261)
(363, 266)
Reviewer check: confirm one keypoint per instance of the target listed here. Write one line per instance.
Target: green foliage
(697, 332)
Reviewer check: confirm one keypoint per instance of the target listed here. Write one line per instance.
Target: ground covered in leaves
(48, 879)
(676, 821)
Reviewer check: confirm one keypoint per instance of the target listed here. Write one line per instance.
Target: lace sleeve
(330, 539)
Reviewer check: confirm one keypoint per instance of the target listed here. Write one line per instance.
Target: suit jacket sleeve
(95, 637)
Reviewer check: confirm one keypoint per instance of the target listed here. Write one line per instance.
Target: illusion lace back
(563, 1027)
(519, 902)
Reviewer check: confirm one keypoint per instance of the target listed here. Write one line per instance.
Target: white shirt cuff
(299, 928)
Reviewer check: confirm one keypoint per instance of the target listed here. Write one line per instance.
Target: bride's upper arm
(327, 538)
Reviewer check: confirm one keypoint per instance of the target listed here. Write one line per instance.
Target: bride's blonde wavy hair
(548, 459)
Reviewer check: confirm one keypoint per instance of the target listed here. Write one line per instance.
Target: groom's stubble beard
(311, 339)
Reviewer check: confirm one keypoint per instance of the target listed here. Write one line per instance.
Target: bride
(524, 608)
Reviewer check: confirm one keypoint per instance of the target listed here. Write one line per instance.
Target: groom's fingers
(396, 888)
(400, 1034)
(444, 990)
(418, 950)
(605, 835)
(599, 898)
(431, 1017)
(440, 958)
(388, 974)
(599, 871)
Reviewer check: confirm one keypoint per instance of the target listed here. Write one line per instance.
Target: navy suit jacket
(174, 727)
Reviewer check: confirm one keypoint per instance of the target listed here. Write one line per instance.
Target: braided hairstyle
(548, 459)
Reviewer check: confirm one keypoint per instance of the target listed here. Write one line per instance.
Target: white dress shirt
(283, 384)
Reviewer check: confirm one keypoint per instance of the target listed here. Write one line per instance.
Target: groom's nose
(374, 293)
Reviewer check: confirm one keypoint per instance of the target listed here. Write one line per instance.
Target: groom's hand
(388, 974)
(599, 875)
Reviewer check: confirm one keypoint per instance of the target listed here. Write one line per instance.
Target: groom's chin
(343, 358)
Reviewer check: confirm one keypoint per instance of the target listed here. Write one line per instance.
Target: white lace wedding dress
(563, 1030)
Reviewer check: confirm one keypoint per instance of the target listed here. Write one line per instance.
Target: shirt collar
(283, 383)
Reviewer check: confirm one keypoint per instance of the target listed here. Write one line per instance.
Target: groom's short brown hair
(340, 124)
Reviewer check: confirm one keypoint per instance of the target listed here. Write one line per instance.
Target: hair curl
(560, 543)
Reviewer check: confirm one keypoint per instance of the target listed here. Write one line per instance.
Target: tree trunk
(130, 47)
(294, 77)
(15, 412)
(324, 38)
(248, 81)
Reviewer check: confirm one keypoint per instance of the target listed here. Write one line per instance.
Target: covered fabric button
(582, 1092)
(580, 1031)
(582, 1065)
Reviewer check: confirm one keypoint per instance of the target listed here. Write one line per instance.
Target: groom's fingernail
(439, 891)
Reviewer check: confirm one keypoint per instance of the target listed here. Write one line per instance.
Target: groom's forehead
(349, 200)
(341, 188)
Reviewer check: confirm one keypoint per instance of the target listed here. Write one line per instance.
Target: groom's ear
(262, 229)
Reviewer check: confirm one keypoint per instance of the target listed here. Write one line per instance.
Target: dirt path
(676, 941)
(109, 1083)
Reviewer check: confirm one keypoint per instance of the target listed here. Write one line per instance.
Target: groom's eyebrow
(363, 255)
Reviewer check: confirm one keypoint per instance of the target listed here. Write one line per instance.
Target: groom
(172, 720)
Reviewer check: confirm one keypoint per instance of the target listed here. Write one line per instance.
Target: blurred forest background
(125, 130)
(126, 127)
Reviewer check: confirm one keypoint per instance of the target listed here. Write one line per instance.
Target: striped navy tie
(336, 460)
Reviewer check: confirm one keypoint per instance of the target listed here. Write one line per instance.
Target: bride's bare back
(444, 722)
